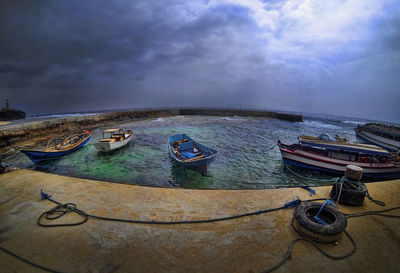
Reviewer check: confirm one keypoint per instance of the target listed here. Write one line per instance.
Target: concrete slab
(250, 244)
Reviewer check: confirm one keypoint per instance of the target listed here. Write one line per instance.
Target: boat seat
(186, 147)
(106, 140)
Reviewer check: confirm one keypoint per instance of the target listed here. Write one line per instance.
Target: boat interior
(188, 150)
(66, 142)
(115, 135)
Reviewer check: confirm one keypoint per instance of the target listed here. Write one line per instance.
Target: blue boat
(59, 146)
(189, 153)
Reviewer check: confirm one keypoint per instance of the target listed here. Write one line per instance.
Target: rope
(269, 149)
(312, 179)
(28, 261)
(380, 203)
(376, 212)
(62, 209)
(288, 254)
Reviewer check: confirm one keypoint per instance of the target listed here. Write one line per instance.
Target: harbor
(199, 136)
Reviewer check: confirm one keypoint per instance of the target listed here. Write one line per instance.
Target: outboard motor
(349, 190)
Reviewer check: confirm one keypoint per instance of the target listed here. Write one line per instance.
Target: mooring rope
(288, 254)
(28, 261)
(307, 178)
(62, 209)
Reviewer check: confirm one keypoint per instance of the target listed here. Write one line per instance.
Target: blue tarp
(327, 137)
(188, 155)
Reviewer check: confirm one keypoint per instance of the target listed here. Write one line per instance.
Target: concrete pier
(250, 244)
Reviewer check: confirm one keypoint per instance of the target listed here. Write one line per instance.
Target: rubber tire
(315, 231)
(349, 196)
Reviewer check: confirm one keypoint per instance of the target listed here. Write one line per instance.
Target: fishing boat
(376, 164)
(385, 136)
(113, 139)
(326, 141)
(59, 146)
(189, 153)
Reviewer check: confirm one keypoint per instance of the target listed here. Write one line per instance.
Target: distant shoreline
(34, 129)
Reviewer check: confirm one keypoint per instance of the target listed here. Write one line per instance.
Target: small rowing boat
(190, 153)
(59, 146)
(376, 165)
(113, 139)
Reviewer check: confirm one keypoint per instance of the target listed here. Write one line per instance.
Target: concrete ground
(250, 244)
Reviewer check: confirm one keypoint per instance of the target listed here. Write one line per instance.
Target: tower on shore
(7, 104)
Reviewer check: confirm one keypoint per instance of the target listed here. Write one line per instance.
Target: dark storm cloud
(59, 56)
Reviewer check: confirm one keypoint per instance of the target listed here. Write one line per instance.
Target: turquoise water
(244, 161)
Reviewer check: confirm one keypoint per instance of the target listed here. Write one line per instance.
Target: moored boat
(59, 146)
(377, 165)
(190, 153)
(385, 136)
(338, 143)
(113, 139)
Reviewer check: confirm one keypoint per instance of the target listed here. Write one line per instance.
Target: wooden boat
(376, 164)
(340, 144)
(385, 136)
(59, 146)
(113, 139)
(190, 153)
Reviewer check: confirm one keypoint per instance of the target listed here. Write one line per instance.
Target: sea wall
(30, 133)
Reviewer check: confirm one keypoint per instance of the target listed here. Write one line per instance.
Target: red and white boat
(377, 163)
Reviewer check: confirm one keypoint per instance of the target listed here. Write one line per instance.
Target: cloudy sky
(337, 57)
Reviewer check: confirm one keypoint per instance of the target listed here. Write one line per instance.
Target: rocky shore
(30, 133)
(11, 114)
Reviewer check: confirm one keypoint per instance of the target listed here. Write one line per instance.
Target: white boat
(385, 136)
(113, 139)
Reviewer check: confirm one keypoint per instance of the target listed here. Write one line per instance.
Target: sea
(246, 159)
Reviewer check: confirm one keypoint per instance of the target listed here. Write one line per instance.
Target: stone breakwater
(29, 133)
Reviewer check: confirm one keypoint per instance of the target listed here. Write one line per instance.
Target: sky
(339, 57)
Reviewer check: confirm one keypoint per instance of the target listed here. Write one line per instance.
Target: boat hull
(195, 163)
(303, 159)
(110, 146)
(38, 156)
(389, 144)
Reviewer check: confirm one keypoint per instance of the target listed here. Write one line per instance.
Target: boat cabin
(114, 135)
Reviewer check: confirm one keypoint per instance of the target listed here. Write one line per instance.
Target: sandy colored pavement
(250, 244)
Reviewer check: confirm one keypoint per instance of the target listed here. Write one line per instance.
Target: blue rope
(316, 217)
(44, 195)
(309, 189)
